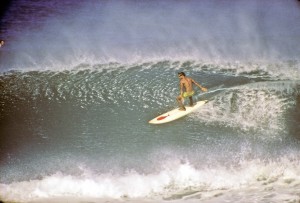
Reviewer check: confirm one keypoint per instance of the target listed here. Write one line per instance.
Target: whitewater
(79, 83)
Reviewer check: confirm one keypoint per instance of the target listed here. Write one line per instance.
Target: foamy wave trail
(257, 107)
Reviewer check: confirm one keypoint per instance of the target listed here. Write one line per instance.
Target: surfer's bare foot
(181, 109)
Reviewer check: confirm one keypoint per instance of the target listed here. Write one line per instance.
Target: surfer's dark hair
(181, 73)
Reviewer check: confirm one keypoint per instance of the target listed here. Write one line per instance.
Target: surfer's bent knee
(179, 98)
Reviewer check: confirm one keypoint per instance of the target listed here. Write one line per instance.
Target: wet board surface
(176, 113)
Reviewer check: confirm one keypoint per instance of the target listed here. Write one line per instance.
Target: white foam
(259, 174)
(258, 107)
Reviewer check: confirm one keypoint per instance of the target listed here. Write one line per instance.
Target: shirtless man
(186, 90)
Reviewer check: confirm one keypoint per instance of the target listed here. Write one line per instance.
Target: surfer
(186, 90)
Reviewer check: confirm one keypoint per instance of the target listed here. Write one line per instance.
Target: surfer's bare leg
(180, 103)
(191, 101)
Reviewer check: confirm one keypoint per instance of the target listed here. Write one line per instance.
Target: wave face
(88, 127)
(80, 82)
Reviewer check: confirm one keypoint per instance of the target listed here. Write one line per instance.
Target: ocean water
(79, 83)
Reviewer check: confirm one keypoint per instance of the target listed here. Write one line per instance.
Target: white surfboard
(176, 113)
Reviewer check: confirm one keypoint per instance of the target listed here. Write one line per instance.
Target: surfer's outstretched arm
(202, 88)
